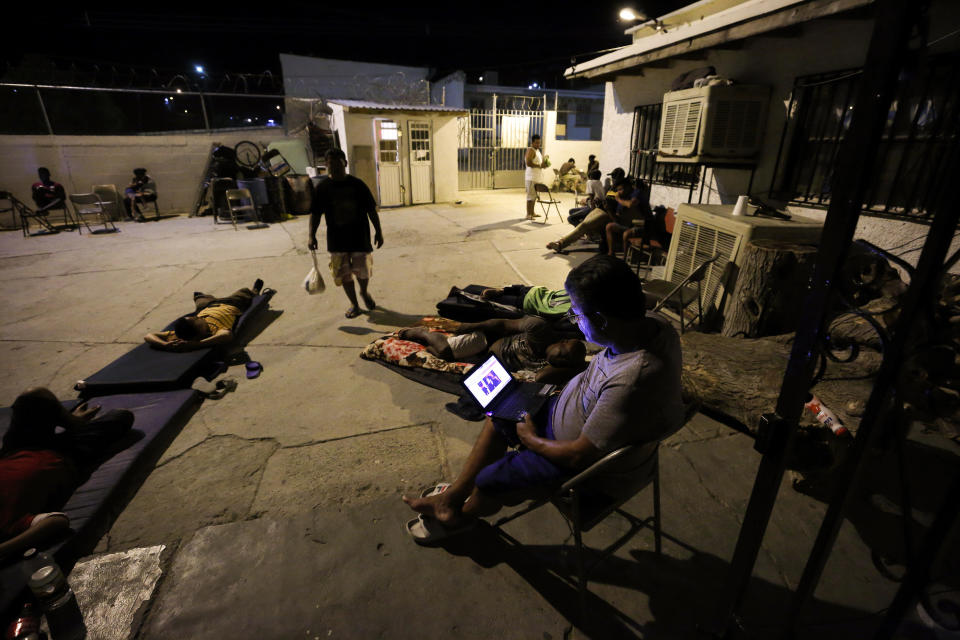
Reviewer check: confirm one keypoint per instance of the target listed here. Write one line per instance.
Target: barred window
(921, 127)
(644, 141)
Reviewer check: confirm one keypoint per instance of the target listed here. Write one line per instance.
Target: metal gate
(492, 144)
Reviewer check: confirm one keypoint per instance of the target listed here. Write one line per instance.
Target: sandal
(428, 531)
(556, 247)
(352, 312)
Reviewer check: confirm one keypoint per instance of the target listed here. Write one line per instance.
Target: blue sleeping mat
(147, 369)
(93, 507)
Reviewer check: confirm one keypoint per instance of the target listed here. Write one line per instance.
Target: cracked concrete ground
(278, 505)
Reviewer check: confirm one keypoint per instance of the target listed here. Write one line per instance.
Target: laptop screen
(487, 380)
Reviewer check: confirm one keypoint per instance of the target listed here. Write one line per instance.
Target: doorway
(389, 174)
(421, 162)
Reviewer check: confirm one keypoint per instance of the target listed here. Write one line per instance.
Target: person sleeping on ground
(40, 468)
(629, 394)
(523, 344)
(211, 325)
(550, 304)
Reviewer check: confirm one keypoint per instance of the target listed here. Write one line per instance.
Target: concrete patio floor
(276, 513)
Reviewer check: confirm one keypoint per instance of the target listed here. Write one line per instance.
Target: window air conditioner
(713, 125)
(703, 230)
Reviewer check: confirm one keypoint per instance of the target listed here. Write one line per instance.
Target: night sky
(525, 42)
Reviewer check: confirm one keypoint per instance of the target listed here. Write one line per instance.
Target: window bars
(644, 141)
(922, 125)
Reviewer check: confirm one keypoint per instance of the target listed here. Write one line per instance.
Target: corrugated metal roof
(365, 105)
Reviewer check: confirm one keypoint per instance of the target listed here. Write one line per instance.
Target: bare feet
(555, 246)
(414, 334)
(532, 216)
(439, 507)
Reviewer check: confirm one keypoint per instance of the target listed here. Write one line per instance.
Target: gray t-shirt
(624, 399)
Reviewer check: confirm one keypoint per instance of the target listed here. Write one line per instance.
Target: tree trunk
(741, 378)
(769, 290)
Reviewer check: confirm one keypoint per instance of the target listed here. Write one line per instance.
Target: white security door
(421, 162)
(388, 163)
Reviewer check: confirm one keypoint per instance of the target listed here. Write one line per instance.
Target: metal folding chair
(546, 201)
(26, 214)
(90, 204)
(599, 491)
(240, 203)
(110, 197)
(679, 297)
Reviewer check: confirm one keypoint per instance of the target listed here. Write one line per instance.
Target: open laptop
(500, 395)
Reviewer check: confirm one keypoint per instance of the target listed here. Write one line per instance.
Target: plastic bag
(314, 283)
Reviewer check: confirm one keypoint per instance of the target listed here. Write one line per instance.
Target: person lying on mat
(551, 304)
(628, 394)
(523, 344)
(210, 326)
(40, 468)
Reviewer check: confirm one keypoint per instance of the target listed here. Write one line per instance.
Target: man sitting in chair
(47, 193)
(629, 394)
(139, 191)
(210, 326)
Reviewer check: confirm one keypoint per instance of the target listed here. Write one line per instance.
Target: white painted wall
(561, 150)
(825, 45)
(175, 161)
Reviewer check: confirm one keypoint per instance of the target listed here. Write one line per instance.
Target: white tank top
(532, 174)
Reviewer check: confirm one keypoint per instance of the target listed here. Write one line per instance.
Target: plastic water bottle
(58, 601)
(33, 560)
(824, 416)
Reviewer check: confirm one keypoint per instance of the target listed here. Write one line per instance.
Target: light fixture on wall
(629, 14)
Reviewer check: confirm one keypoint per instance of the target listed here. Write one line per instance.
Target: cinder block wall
(175, 161)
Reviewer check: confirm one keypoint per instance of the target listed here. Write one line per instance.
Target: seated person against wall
(523, 344)
(629, 394)
(40, 468)
(655, 229)
(139, 191)
(594, 199)
(569, 176)
(613, 178)
(592, 164)
(47, 193)
(630, 208)
(597, 220)
(210, 326)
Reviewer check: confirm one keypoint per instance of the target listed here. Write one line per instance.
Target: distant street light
(198, 68)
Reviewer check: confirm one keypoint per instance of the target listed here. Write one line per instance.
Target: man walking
(347, 203)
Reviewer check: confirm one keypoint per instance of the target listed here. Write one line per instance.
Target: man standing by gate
(533, 160)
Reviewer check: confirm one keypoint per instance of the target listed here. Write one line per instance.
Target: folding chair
(654, 251)
(275, 163)
(10, 211)
(240, 203)
(110, 197)
(681, 296)
(149, 197)
(598, 491)
(546, 201)
(26, 214)
(218, 194)
(90, 204)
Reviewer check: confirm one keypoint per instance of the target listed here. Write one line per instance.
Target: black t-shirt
(346, 204)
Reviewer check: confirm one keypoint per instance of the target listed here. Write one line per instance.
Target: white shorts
(467, 344)
(531, 192)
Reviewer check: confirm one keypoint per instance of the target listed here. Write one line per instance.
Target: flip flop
(254, 369)
(428, 531)
(352, 312)
(432, 491)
